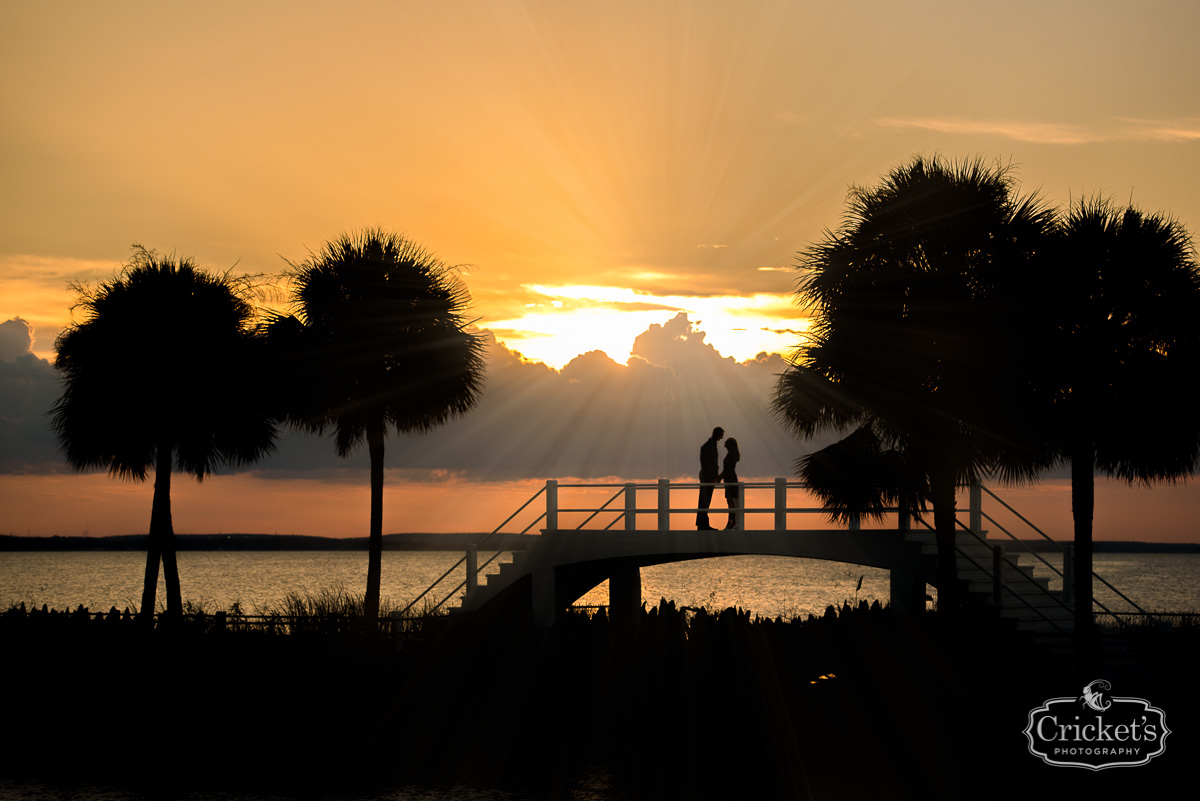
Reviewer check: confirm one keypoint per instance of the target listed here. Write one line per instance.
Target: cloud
(596, 418)
(29, 386)
(1119, 130)
(641, 419)
(16, 339)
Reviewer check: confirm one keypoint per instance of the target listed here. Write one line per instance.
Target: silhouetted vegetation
(688, 703)
(162, 374)
(960, 330)
(917, 304)
(1120, 357)
(378, 344)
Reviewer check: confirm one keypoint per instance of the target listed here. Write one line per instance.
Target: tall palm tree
(161, 374)
(918, 304)
(377, 343)
(1126, 353)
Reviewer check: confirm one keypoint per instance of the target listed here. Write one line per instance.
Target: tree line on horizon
(959, 330)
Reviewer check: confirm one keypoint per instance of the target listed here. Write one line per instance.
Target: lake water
(766, 585)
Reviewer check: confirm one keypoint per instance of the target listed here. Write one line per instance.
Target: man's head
(718, 432)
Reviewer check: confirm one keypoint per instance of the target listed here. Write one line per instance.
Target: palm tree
(377, 344)
(858, 476)
(1126, 353)
(918, 305)
(160, 374)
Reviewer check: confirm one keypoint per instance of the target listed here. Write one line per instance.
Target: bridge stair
(1025, 594)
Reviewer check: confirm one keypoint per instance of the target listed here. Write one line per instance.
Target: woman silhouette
(729, 476)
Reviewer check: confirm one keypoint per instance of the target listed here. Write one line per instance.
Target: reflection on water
(766, 585)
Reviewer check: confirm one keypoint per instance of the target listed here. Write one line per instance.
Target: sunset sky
(607, 173)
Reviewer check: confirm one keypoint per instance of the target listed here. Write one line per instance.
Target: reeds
(328, 611)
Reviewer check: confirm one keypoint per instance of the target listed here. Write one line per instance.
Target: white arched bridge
(589, 533)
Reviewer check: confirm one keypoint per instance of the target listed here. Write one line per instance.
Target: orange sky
(600, 166)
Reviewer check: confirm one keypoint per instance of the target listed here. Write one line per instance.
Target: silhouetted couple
(709, 476)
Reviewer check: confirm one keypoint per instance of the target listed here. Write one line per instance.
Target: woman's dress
(729, 476)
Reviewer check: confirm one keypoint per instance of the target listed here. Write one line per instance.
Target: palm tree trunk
(1083, 502)
(941, 492)
(150, 581)
(375, 440)
(161, 540)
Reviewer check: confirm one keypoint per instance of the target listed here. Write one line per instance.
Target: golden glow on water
(766, 585)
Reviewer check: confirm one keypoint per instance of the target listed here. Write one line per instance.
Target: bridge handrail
(1058, 545)
(1021, 517)
(1096, 601)
(1011, 591)
(960, 552)
(1044, 590)
(1024, 545)
(663, 484)
(454, 567)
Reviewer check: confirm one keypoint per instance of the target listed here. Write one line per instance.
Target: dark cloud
(29, 386)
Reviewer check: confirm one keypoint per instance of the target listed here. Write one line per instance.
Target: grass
(328, 611)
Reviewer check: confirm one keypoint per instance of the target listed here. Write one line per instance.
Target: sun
(571, 320)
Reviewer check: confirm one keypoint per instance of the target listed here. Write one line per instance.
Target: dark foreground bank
(861, 704)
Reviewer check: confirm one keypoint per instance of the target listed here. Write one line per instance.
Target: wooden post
(630, 507)
(1069, 575)
(397, 627)
(904, 517)
(545, 604)
(976, 506)
(472, 569)
(664, 505)
(739, 514)
(625, 595)
(855, 522)
(551, 504)
(906, 589)
(997, 575)
(781, 504)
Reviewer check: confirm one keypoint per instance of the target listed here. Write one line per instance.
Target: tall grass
(331, 610)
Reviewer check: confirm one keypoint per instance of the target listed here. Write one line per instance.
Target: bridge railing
(1065, 575)
(626, 504)
(620, 506)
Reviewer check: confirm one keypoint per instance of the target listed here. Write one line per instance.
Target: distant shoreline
(265, 542)
(409, 542)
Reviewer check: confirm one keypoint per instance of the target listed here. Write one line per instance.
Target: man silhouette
(709, 473)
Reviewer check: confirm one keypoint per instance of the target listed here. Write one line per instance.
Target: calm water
(766, 585)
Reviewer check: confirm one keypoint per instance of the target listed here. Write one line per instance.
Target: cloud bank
(595, 418)
(29, 386)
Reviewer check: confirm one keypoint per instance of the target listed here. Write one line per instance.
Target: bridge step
(1027, 599)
